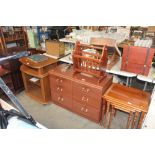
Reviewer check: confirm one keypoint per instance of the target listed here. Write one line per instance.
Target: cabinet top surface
(26, 61)
(66, 71)
(126, 95)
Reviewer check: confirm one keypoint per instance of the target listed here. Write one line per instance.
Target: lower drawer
(87, 111)
(62, 100)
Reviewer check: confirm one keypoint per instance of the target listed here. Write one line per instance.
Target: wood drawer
(59, 82)
(87, 100)
(62, 100)
(92, 113)
(79, 108)
(90, 91)
(87, 111)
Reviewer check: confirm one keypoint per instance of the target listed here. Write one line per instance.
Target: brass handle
(61, 89)
(61, 81)
(58, 98)
(83, 88)
(62, 99)
(58, 88)
(86, 110)
(82, 109)
(88, 90)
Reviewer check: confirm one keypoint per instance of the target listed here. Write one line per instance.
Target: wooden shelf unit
(16, 35)
(39, 90)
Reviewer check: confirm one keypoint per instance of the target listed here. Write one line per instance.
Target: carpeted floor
(53, 116)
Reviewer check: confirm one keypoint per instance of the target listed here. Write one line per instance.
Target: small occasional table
(127, 99)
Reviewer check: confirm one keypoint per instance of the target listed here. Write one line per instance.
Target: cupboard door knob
(57, 80)
(58, 98)
(62, 99)
(82, 109)
(61, 89)
(61, 81)
(86, 110)
(87, 100)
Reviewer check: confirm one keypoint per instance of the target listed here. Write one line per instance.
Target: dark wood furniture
(79, 93)
(39, 89)
(130, 100)
(10, 35)
(6, 76)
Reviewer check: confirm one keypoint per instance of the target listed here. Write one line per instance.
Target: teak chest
(78, 93)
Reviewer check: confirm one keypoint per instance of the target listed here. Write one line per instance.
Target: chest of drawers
(79, 93)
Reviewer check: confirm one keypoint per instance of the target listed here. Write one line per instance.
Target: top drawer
(87, 90)
(57, 81)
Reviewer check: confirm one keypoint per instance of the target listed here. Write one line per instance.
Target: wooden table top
(131, 97)
(26, 61)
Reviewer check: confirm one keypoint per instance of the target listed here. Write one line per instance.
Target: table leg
(134, 120)
(130, 81)
(129, 119)
(145, 85)
(140, 120)
(111, 115)
(127, 82)
(107, 112)
(115, 112)
(103, 112)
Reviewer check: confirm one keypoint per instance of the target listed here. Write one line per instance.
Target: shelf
(13, 39)
(36, 83)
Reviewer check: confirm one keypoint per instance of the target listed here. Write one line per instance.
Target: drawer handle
(82, 109)
(58, 88)
(86, 110)
(58, 98)
(88, 90)
(61, 81)
(85, 89)
(84, 99)
(62, 99)
(61, 89)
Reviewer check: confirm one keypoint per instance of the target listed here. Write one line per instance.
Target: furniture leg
(111, 115)
(103, 111)
(129, 119)
(140, 120)
(145, 86)
(130, 81)
(107, 112)
(115, 112)
(134, 120)
(127, 82)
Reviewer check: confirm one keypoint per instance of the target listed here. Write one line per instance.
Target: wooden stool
(130, 100)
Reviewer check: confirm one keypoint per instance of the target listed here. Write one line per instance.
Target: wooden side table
(127, 99)
(36, 79)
